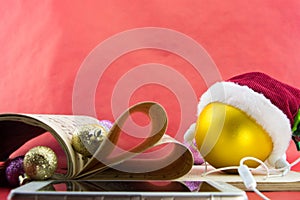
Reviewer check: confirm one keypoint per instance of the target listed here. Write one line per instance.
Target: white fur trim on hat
(257, 106)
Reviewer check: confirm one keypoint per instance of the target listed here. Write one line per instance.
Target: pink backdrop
(45, 43)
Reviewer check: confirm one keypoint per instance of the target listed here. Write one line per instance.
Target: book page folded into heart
(155, 156)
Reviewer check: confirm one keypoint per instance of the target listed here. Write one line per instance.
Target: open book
(156, 156)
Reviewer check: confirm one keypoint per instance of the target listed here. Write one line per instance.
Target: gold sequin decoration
(88, 139)
(40, 163)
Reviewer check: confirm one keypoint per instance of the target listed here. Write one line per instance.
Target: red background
(44, 43)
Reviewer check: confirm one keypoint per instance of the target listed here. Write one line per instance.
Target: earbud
(282, 164)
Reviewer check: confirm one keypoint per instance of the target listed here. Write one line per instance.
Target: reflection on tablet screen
(129, 186)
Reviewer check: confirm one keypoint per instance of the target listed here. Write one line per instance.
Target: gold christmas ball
(40, 163)
(88, 138)
(225, 134)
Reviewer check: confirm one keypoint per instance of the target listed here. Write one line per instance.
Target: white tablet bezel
(31, 191)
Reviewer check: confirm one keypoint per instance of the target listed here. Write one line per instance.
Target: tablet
(133, 190)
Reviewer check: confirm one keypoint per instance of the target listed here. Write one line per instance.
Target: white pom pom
(190, 134)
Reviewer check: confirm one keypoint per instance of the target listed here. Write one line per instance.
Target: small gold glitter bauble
(88, 139)
(40, 163)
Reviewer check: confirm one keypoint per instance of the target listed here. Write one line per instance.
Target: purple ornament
(106, 124)
(193, 185)
(198, 160)
(13, 170)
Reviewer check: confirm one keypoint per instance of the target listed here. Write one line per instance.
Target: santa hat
(272, 104)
